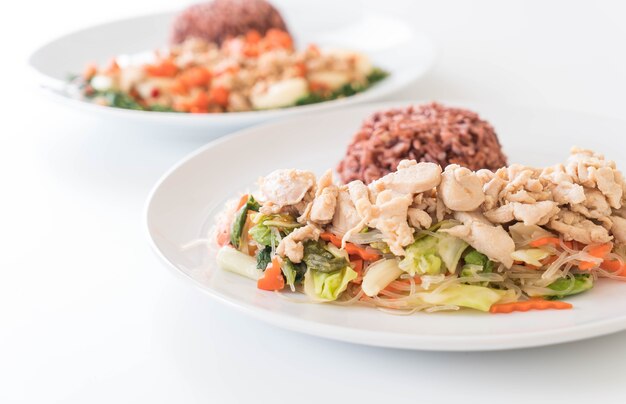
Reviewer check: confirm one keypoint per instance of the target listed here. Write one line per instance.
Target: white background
(88, 314)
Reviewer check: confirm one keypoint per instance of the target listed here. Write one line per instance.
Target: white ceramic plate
(182, 206)
(391, 44)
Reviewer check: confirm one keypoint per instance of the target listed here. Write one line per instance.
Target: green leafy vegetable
(293, 272)
(161, 108)
(327, 286)
(262, 232)
(346, 90)
(421, 257)
(450, 249)
(476, 262)
(318, 258)
(240, 220)
(263, 258)
(475, 297)
(122, 100)
(582, 282)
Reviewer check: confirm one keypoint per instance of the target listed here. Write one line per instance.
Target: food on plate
(245, 73)
(425, 133)
(429, 238)
(217, 20)
(228, 56)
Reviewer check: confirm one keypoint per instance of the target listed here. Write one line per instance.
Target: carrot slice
(352, 249)
(272, 278)
(357, 265)
(195, 77)
(540, 242)
(219, 95)
(532, 304)
(614, 266)
(166, 68)
(598, 251)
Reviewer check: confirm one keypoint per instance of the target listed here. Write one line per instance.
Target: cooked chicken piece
(346, 216)
(574, 226)
(567, 192)
(538, 213)
(518, 176)
(410, 178)
(492, 188)
(392, 220)
(323, 206)
(521, 196)
(564, 190)
(461, 189)
(426, 201)
(592, 170)
(609, 184)
(595, 205)
(291, 246)
(285, 187)
(618, 229)
(503, 214)
(360, 197)
(419, 218)
(493, 241)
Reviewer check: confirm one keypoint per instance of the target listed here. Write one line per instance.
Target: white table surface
(89, 315)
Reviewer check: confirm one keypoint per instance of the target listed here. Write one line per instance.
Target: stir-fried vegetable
(450, 250)
(379, 275)
(292, 272)
(582, 282)
(421, 257)
(321, 259)
(272, 278)
(475, 297)
(427, 254)
(344, 91)
(235, 261)
(263, 257)
(240, 220)
(532, 304)
(351, 248)
(474, 263)
(531, 256)
(327, 286)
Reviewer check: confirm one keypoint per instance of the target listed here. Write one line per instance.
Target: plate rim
(458, 343)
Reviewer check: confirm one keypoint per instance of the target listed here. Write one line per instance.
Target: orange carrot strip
(614, 266)
(598, 251)
(272, 278)
(544, 241)
(532, 304)
(166, 68)
(195, 77)
(357, 265)
(219, 95)
(551, 240)
(352, 249)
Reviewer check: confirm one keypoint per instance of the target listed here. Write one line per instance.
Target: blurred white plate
(183, 204)
(391, 44)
